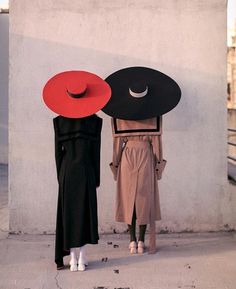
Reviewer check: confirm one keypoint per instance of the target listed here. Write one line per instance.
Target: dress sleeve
(59, 150)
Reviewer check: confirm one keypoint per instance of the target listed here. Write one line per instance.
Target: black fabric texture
(117, 131)
(77, 154)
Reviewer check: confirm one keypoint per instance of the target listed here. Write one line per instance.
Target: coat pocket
(160, 168)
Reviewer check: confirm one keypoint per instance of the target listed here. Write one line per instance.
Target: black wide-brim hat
(140, 93)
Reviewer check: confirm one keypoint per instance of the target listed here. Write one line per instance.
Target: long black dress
(77, 152)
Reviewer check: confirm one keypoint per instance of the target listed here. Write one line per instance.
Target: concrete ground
(203, 261)
(187, 261)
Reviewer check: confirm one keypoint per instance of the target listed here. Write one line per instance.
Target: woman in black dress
(76, 96)
(77, 152)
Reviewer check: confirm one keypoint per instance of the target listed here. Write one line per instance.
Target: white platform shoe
(78, 262)
(133, 247)
(82, 261)
(73, 260)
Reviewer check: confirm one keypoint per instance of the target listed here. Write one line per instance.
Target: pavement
(186, 261)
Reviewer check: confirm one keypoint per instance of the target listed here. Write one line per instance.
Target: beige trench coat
(137, 155)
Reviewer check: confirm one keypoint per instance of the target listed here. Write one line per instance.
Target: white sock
(73, 255)
(82, 257)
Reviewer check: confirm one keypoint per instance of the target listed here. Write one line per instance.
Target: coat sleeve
(159, 162)
(157, 147)
(59, 152)
(118, 145)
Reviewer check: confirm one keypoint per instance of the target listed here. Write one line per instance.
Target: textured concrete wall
(184, 39)
(4, 70)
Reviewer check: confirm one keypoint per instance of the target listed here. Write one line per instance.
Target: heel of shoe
(141, 247)
(73, 266)
(133, 247)
(81, 267)
(82, 261)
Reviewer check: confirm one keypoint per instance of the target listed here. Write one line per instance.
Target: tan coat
(137, 164)
(137, 154)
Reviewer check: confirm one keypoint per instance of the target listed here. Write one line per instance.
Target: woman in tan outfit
(140, 96)
(137, 154)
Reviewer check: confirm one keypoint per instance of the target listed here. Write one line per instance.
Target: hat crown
(76, 90)
(138, 89)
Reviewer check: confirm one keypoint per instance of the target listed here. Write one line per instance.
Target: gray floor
(187, 261)
(205, 261)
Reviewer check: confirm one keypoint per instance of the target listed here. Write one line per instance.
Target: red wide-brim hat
(76, 94)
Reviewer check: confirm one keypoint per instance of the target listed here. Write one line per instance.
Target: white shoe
(133, 247)
(73, 266)
(82, 262)
(73, 260)
(81, 267)
(141, 247)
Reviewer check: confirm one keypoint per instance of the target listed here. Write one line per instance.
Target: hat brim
(55, 94)
(163, 94)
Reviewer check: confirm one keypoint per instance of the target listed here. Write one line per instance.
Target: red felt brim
(59, 101)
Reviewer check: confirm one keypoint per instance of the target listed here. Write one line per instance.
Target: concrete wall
(4, 70)
(184, 39)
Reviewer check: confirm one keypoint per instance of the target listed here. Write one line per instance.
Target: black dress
(77, 152)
